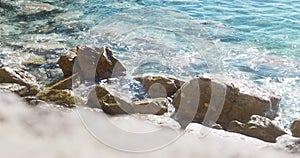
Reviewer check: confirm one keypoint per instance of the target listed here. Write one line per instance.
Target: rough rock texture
(34, 8)
(93, 62)
(210, 99)
(157, 106)
(16, 88)
(52, 133)
(60, 97)
(102, 98)
(258, 127)
(112, 102)
(20, 77)
(159, 86)
(66, 63)
(295, 128)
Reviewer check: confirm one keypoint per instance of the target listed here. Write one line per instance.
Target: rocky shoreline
(211, 100)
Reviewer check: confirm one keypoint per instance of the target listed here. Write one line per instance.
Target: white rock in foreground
(44, 132)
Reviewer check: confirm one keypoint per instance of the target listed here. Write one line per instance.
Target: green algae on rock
(60, 97)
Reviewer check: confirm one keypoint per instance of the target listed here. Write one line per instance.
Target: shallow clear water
(255, 40)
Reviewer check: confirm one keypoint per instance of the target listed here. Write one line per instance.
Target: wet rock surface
(17, 88)
(91, 63)
(66, 63)
(18, 80)
(258, 127)
(295, 128)
(224, 100)
(159, 86)
(157, 106)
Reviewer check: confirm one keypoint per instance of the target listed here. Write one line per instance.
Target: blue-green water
(253, 40)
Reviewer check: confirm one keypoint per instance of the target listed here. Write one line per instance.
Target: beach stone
(295, 128)
(159, 86)
(92, 62)
(225, 99)
(157, 106)
(17, 88)
(17, 79)
(66, 63)
(100, 58)
(258, 127)
(60, 97)
(217, 126)
(101, 97)
(35, 8)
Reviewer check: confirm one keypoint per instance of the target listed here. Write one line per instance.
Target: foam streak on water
(252, 39)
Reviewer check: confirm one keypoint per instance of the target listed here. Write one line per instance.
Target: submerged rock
(258, 127)
(295, 128)
(157, 106)
(35, 8)
(92, 62)
(212, 99)
(27, 7)
(158, 86)
(18, 81)
(60, 97)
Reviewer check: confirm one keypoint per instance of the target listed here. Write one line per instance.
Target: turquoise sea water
(253, 40)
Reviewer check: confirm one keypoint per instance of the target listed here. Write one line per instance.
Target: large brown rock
(258, 127)
(101, 97)
(91, 63)
(159, 86)
(113, 103)
(210, 99)
(21, 82)
(157, 106)
(295, 128)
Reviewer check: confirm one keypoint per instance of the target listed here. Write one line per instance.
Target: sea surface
(253, 40)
